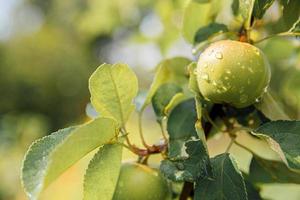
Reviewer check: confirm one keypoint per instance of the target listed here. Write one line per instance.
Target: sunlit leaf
(113, 88)
(195, 16)
(270, 108)
(284, 138)
(227, 182)
(176, 99)
(102, 174)
(173, 70)
(243, 8)
(202, 1)
(260, 7)
(50, 156)
(193, 85)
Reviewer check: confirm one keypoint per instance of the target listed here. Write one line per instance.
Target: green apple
(140, 182)
(232, 72)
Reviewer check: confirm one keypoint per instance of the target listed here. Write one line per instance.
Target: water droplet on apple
(219, 55)
(205, 77)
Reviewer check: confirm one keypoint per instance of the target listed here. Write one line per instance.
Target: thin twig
(230, 144)
(246, 148)
(163, 131)
(207, 117)
(186, 190)
(141, 130)
(277, 35)
(125, 133)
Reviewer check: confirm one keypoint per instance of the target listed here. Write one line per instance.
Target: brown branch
(186, 190)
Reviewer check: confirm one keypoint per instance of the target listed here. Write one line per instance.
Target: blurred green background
(49, 48)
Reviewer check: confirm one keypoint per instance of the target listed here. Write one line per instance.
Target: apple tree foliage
(186, 117)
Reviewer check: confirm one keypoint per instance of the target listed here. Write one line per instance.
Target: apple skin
(140, 182)
(232, 72)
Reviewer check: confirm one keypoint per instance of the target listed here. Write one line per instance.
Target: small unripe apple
(232, 72)
(140, 182)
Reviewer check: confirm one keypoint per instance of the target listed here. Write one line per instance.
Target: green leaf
(202, 1)
(296, 27)
(260, 7)
(252, 191)
(235, 7)
(243, 8)
(176, 99)
(113, 88)
(193, 164)
(290, 14)
(172, 70)
(228, 182)
(181, 126)
(193, 84)
(49, 157)
(102, 174)
(284, 138)
(208, 31)
(162, 98)
(270, 108)
(197, 15)
(270, 171)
